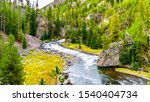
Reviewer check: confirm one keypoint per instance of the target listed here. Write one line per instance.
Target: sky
(42, 3)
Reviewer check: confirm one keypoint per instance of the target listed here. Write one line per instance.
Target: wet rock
(69, 82)
(65, 74)
(69, 63)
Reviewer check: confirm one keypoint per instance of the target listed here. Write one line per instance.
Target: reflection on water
(118, 78)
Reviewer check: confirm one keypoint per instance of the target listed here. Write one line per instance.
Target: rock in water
(110, 57)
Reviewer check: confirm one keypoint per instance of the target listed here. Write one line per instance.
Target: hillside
(103, 19)
(118, 31)
(98, 23)
(32, 43)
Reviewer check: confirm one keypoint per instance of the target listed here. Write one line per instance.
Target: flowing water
(84, 71)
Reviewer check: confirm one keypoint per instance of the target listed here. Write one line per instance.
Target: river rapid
(84, 71)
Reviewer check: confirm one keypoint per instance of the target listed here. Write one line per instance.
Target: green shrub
(135, 65)
(130, 55)
(20, 36)
(1, 38)
(24, 42)
(61, 79)
(125, 56)
(80, 46)
(42, 82)
(136, 52)
(11, 69)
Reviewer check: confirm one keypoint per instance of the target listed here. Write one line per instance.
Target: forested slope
(92, 23)
(98, 23)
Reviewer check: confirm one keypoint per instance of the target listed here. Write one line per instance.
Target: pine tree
(42, 82)
(11, 22)
(89, 35)
(1, 19)
(21, 2)
(54, 74)
(33, 23)
(50, 23)
(1, 46)
(146, 14)
(11, 70)
(105, 41)
(28, 2)
(24, 25)
(28, 27)
(1, 38)
(84, 33)
(20, 35)
(57, 26)
(114, 26)
(24, 42)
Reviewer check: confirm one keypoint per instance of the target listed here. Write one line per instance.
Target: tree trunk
(56, 81)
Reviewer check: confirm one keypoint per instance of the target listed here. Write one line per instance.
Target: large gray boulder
(110, 57)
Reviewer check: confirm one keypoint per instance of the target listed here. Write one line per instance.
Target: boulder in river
(110, 57)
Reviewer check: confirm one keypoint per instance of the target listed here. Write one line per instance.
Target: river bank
(140, 74)
(39, 65)
(83, 48)
(145, 75)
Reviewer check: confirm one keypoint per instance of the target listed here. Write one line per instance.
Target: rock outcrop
(42, 25)
(110, 57)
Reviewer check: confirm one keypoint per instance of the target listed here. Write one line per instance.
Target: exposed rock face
(110, 57)
(128, 39)
(42, 25)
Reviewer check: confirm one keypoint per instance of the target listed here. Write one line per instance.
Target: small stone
(69, 82)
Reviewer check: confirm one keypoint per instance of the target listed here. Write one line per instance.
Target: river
(84, 71)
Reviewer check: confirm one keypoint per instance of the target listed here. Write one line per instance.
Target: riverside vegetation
(39, 65)
(98, 23)
(93, 24)
(82, 48)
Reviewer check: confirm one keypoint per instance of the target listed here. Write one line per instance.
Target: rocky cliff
(110, 57)
(42, 25)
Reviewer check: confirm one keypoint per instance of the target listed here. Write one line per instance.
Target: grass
(145, 75)
(148, 83)
(83, 48)
(39, 65)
